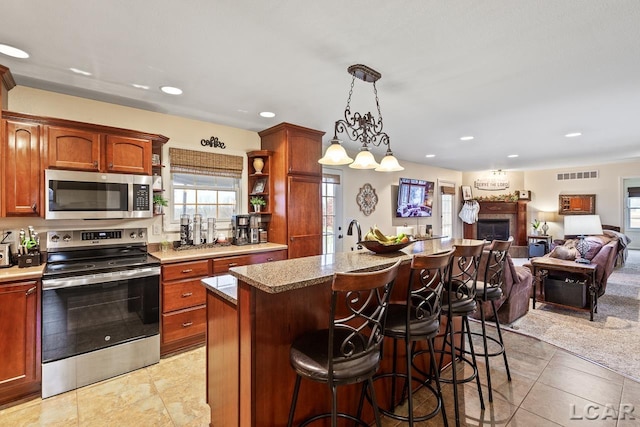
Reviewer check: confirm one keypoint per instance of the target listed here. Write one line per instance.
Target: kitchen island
(249, 380)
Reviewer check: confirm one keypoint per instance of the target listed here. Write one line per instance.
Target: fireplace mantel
(514, 211)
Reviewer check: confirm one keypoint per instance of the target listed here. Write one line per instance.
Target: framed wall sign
(258, 186)
(577, 204)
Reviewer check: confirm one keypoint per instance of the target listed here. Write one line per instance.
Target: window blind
(203, 163)
(448, 189)
(634, 191)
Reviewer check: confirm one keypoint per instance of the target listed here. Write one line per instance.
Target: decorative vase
(534, 232)
(256, 208)
(157, 209)
(258, 164)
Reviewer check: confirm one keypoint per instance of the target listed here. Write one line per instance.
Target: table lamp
(544, 217)
(581, 225)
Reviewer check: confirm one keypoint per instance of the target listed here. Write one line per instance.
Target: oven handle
(91, 279)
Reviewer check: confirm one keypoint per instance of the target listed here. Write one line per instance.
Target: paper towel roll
(422, 230)
(406, 230)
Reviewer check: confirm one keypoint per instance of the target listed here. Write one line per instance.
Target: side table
(543, 265)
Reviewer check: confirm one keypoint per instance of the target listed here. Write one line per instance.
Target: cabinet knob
(233, 264)
(269, 259)
(95, 163)
(110, 165)
(187, 324)
(187, 294)
(34, 207)
(188, 270)
(30, 291)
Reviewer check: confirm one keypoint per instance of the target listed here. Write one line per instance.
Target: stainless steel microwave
(93, 195)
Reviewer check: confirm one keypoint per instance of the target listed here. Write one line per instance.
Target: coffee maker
(255, 224)
(241, 229)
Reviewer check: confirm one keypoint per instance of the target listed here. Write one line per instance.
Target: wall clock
(367, 199)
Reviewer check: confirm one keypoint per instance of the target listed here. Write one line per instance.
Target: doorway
(332, 226)
(447, 197)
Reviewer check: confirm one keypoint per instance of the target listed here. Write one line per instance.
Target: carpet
(612, 339)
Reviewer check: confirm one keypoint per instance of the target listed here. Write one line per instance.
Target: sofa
(603, 251)
(516, 292)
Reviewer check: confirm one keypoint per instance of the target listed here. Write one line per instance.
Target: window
(330, 206)
(204, 183)
(446, 209)
(210, 196)
(633, 206)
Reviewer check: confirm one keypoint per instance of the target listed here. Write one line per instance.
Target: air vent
(564, 176)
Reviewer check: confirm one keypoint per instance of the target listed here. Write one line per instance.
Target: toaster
(5, 256)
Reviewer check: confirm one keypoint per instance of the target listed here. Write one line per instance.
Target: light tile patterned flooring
(549, 387)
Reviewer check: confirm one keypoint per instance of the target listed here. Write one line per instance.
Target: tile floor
(549, 387)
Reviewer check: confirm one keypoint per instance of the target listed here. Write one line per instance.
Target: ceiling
(516, 74)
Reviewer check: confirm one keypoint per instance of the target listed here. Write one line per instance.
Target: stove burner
(61, 268)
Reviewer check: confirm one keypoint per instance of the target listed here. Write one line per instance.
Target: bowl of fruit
(376, 241)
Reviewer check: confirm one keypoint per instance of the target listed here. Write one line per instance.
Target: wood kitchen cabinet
(183, 321)
(296, 182)
(78, 149)
(21, 168)
(260, 183)
(20, 372)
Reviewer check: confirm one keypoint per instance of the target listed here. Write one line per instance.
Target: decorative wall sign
(367, 199)
(491, 184)
(577, 204)
(213, 142)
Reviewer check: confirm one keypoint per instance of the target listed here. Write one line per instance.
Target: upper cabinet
(21, 169)
(72, 148)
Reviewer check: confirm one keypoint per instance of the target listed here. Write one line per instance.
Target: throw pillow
(563, 252)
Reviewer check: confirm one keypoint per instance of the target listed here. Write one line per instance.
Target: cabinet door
(304, 151)
(22, 172)
(73, 149)
(128, 155)
(19, 370)
(304, 216)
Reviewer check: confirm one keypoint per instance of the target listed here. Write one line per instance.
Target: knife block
(28, 260)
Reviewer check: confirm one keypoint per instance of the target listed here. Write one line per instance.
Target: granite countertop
(16, 273)
(172, 256)
(225, 286)
(282, 276)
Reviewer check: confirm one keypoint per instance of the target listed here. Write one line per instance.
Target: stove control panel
(91, 238)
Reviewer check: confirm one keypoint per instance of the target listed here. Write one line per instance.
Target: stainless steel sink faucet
(350, 232)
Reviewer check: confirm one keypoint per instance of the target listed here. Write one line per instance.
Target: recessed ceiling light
(512, 155)
(13, 51)
(267, 114)
(137, 86)
(171, 90)
(79, 71)
(430, 156)
(573, 134)
(466, 138)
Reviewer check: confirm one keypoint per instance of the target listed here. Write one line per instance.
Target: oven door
(84, 314)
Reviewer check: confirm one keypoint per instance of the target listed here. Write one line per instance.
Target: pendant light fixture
(363, 128)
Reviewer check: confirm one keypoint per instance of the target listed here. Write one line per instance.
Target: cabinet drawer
(185, 270)
(182, 294)
(184, 324)
(222, 265)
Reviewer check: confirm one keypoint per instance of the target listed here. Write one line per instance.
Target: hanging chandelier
(363, 128)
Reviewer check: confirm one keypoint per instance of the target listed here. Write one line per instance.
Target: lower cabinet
(184, 317)
(20, 373)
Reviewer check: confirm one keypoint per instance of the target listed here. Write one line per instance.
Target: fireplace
(493, 229)
(514, 214)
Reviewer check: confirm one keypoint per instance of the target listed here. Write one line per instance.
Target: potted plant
(158, 203)
(257, 202)
(536, 227)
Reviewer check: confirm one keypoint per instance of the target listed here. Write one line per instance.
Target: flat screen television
(415, 198)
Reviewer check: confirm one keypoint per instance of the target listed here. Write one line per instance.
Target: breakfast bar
(249, 380)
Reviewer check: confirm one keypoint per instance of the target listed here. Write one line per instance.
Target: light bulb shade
(581, 225)
(335, 155)
(389, 164)
(364, 160)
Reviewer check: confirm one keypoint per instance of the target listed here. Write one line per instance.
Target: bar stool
(460, 301)
(418, 319)
(349, 351)
(490, 290)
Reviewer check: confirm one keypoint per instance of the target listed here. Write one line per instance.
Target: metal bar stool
(349, 351)
(418, 319)
(490, 290)
(460, 300)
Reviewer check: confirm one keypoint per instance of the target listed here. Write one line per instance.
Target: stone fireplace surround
(515, 212)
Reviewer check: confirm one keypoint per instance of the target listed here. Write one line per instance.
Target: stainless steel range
(100, 307)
